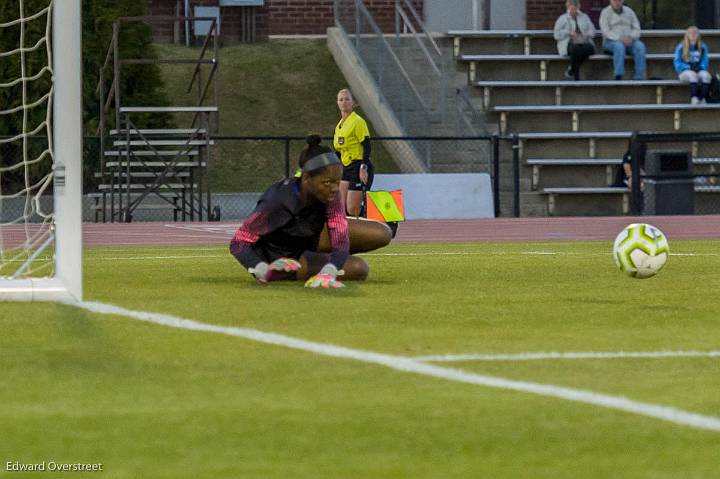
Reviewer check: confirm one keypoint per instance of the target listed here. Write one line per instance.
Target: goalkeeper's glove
(326, 278)
(263, 272)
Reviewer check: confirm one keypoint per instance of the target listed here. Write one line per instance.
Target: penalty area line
(410, 365)
(158, 258)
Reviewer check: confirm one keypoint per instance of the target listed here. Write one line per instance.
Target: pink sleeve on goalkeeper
(338, 231)
(246, 236)
(252, 228)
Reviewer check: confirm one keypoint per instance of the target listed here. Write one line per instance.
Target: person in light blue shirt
(691, 64)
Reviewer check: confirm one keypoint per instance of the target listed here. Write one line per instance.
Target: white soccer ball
(640, 250)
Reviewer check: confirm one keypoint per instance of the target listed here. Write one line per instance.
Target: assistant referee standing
(352, 142)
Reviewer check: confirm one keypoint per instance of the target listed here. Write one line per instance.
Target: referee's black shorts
(351, 174)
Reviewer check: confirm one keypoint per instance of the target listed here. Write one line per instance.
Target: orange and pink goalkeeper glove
(263, 272)
(326, 278)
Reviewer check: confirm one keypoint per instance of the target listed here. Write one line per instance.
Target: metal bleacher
(162, 170)
(571, 135)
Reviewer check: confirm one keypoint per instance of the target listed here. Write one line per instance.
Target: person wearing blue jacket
(691, 64)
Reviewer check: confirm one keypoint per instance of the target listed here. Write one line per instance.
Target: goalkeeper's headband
(320, 161)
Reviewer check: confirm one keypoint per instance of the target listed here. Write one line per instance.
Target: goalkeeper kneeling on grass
(282, 238)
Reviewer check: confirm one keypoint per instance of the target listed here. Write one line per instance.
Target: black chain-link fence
(238, 169)
(675, 173)
(241, 168)
(592, 174)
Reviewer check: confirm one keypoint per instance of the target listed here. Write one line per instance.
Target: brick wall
(277, 17)
(162, 31)
(292, 17)
(541, 14)
(289, 17)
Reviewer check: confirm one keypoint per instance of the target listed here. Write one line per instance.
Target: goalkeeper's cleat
(327, 281)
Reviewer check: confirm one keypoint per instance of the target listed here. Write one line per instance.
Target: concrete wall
(441, 196)
(425, 196)
(443, 15)
(508, 15)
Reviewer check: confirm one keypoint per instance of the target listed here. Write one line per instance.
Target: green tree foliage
(140, 85)
(11, 95)
(14, 65)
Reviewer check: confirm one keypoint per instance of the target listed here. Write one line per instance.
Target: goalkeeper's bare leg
(365, 235)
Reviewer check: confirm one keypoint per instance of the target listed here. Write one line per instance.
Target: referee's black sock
(393, 225)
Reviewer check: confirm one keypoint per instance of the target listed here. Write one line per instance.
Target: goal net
(40, 151)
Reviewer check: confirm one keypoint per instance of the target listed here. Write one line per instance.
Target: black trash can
(669, 183)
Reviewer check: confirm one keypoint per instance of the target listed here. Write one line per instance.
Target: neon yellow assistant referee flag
(385, 206)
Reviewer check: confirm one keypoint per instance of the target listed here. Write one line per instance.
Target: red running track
(499, 229)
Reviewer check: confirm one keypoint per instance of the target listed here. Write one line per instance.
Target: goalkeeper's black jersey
(281, 226)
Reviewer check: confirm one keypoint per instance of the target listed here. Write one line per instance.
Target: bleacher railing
(115, 123)
(411, 106)
(408, 22)
(469, 121)
(409, 70)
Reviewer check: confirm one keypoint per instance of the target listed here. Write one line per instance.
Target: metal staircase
(412, 74)
(151, 168)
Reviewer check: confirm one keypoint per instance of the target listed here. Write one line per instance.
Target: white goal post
(66, 150)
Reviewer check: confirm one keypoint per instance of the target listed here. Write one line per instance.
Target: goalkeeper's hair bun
(312, 149)
(313, 139)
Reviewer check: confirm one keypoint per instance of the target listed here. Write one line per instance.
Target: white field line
(102, 250)
(447, 358)
(528, 253)
(158, 258)
(223, 230)
(409, 365)
(434, 253)
(424, 254)
(132, 258)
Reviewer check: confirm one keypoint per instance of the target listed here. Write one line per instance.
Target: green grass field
(147, 400)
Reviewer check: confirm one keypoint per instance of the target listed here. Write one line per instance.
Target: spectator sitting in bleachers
(623, 175)
(621, 34)
(574, 32)
(691, 64)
